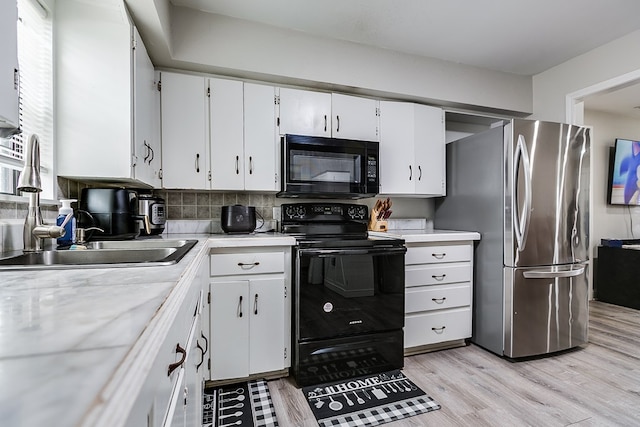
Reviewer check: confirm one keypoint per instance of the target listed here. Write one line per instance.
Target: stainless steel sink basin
(139, 244)
(104, 254)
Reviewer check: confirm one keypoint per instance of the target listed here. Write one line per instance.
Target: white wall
(609, 221)
(609, 61)
(227, 46)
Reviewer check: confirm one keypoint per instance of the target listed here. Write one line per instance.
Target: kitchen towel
(367, 401)
(245, 404)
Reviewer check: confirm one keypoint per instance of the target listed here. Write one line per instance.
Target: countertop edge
(429, 236)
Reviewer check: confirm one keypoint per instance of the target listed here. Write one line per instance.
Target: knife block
(377, 224)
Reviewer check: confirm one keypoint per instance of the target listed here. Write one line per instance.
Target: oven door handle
(323, 253)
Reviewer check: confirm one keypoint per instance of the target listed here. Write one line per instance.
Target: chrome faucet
(35, 230)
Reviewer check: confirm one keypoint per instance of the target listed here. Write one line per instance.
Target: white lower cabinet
(249, 312)
(438, 294)
(172, 391)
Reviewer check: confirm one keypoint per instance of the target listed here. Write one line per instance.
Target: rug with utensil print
(367, 401)
(245, 404)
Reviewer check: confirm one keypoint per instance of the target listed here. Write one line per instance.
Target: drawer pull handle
(438, 300)
(240, 306)
(439, 330)
(439, 256)
(439, 278)
(174, 366)
(248, 264)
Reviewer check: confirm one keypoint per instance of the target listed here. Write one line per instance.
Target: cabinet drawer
(437, 274)
(437, 254)
(229, 264)
(441, 326)
(429, 298)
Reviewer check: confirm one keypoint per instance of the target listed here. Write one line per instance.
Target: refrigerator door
(546, 309)
(546, 193)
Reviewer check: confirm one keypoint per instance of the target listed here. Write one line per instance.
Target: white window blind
(35, 91)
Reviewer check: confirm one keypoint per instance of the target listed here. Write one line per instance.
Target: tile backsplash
(183, 206)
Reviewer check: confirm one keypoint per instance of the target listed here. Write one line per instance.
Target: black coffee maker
(114, 210)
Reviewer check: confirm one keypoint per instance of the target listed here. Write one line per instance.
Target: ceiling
(517, 36)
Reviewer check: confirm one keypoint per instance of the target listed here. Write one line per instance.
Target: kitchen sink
(139, 244)
(132, 253)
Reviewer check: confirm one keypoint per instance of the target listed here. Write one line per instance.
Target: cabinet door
(354, 118)
(230, 313)
(146, 145)
(94, 90)
(397, 171)
(225, 118)
(184, 131)
(305, 112)
(267, 299)
(9, 64)
(193, 378)
(261, 149)
(429, 150)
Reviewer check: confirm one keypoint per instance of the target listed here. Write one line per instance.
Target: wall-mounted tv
(624, 177)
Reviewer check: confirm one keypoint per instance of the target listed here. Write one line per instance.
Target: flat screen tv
(624, 177)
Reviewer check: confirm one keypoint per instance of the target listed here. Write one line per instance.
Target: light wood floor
(596, 385)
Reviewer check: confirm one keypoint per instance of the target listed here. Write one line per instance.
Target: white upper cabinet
(412, 149)
(334, 115)
(100, 110)
(185, 140)
(353, 117)
(304, 112)
(218, 134)
(261, 148)
(226, 133)
(8, 65)
(147, 149)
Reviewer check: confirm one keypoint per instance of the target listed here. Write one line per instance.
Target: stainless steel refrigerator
(524, 186)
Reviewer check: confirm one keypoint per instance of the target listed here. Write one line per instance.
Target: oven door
(345, 292)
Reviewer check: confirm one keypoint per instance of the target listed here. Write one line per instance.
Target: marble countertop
(429, 236)
(63, 333)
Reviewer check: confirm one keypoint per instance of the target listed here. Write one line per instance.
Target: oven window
(342, 295)
(315, 166)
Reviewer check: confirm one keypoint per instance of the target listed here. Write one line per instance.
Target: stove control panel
(324, 212)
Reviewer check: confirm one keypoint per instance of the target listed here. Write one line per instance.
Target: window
(35, 96)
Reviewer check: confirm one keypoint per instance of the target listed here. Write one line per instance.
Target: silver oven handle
(369, 251)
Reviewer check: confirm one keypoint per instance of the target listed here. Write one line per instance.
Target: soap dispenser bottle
(69, 237)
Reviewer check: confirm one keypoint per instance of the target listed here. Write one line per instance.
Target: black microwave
(319, 167)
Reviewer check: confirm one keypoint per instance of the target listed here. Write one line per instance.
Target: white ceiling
(516, 36)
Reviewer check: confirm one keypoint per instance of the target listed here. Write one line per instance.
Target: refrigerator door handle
(521, 222)
(553, 274)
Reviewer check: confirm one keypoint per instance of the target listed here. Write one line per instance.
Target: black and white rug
(245, 404)
(367, 401)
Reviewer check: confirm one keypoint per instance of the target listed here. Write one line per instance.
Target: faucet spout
(34, 230)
